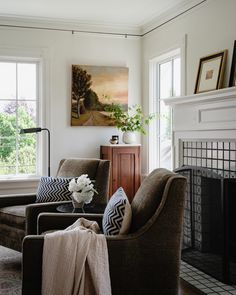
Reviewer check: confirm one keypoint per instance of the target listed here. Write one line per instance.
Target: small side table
(88, 208)
(125, 167)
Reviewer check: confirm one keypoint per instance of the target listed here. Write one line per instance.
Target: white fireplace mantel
(205, 97)
(205, 116)
(212, 110)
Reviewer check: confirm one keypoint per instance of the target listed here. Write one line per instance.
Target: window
(165, 76)
(19, 84)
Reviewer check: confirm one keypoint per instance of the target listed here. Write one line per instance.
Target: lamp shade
(30, 130)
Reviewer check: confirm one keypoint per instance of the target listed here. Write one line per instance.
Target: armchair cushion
(53, 189)
(12, 224)
(117, 215)
(13, 215)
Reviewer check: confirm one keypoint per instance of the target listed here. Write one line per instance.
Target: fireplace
(209, 239)
(204, 150)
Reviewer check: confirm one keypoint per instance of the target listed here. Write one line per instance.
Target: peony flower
(73, 186)
(82, 189)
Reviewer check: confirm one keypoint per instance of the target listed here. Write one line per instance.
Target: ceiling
(133, 14)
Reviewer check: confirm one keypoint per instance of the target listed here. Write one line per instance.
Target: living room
(138, 37)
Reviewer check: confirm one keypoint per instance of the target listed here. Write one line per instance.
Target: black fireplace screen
(209, 239)
(217, 156)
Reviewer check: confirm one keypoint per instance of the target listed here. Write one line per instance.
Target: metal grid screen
(206, 165)
(217, 156)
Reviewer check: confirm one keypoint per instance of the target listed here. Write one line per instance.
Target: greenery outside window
(165, 82)
(19, 98)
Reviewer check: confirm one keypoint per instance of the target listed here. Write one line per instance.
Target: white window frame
(41, 57)
(154, 126)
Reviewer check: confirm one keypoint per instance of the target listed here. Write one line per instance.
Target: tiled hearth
(204, 282)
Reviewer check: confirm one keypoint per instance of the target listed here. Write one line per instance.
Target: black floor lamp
(36, 130)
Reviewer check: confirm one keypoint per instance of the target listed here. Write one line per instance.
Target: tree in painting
(81, 83)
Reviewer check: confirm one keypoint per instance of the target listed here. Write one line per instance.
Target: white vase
(129, 137)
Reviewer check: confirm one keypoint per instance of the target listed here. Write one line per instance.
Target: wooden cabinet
(125, 167)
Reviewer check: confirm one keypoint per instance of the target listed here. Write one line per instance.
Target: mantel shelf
(206, 97)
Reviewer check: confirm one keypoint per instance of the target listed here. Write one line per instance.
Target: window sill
(19, 179)
(9, 186)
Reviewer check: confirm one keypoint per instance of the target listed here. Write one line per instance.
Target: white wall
(209, 28)
(62, 49)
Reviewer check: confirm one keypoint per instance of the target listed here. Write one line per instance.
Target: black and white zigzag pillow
(117, 215)
(53, 189)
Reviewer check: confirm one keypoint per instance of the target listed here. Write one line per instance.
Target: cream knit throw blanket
(75, 261)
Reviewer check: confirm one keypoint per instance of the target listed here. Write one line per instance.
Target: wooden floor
(187, 289)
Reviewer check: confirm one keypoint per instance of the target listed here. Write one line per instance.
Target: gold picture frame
(211, 72)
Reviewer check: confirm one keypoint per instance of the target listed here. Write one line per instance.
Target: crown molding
(68, 25)
(169, 15)
(77, 26)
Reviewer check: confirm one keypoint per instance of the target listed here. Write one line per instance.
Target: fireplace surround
(204, 149)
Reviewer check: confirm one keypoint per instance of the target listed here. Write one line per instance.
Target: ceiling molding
(169, 15)
(76, 26)
(71, 25)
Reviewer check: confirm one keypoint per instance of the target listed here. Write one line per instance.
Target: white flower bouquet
(82, 189)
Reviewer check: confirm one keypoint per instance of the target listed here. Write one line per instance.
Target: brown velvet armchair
(145, 261)
(18, 214)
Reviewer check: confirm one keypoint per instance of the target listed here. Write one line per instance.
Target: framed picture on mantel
(232, 79)
(211, 72)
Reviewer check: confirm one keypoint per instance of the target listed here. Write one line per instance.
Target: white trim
(177, 50)
(206, 97)
(48, 23)
(70, 25)
(18, 186)
(152, 109)
(183, 51)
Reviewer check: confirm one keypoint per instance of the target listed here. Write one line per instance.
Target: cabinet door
(126, 170)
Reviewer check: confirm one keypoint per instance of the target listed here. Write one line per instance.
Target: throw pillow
(53, 189)
(117, 215)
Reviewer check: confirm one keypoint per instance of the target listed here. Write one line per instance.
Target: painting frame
(211, 72)
(232, 79)
(93, 89)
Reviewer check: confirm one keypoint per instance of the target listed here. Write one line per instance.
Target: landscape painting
(93, 89)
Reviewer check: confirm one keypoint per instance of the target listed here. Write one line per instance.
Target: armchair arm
(32, 212)
(13, 200)
(33, 248)
(58, 221)
(32, 265)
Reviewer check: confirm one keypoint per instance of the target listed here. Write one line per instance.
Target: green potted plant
(130, 121)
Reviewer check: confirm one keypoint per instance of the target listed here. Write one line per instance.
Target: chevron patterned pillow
(53, 189)
(117, 215)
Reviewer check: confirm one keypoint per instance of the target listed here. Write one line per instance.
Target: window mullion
(158, 111)
(17, 117)
(172, 77)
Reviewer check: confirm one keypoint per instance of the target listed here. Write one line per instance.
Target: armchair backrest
(150, 254)
(150, 195)
(97, 170)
